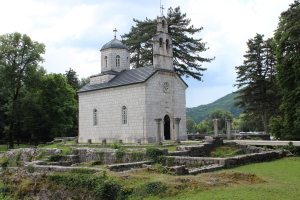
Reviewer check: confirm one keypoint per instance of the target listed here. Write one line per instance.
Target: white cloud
(84, 61)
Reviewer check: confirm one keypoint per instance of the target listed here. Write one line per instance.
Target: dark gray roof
(107, 72)
(126, 77)
(114, 44)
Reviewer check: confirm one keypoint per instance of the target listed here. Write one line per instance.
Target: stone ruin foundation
(187, 159)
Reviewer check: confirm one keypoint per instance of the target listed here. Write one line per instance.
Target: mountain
(225, 103)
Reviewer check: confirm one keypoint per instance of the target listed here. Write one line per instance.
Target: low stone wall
(199, 150)
(232, 161)
(246, 148)
(28, 154)
(59, 169)
(109, 156)
(126, 166)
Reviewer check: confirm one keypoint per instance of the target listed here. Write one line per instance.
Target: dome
(114, 44)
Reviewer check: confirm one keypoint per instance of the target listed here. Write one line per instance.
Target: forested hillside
(225, 103)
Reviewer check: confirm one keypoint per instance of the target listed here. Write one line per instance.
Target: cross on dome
(115, 30)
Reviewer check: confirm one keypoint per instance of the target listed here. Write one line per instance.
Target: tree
(19, 64)
(258, 94)
(186, 59)
(288, 61)
(190, 125)
(72, 79)
(52, 110)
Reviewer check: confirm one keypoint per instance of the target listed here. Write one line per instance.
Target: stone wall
(232, 161)
(28, 154)
(198, 150)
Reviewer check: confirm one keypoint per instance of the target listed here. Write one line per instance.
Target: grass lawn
(282, 182)
(4, 147)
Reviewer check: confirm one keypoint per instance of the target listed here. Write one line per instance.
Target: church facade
(127, 104)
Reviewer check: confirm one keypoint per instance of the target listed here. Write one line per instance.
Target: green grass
(282, 176)
(4, 148)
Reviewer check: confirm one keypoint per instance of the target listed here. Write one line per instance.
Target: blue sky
(75, 30)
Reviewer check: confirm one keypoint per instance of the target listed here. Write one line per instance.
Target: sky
(75, 30)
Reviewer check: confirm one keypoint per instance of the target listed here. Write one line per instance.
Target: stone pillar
(64, 141)
(158, 133)
(216, 126)
(139, 142)
(104, 142)
(89, 141)
(176, 123)
(228, 121)
(76, 141)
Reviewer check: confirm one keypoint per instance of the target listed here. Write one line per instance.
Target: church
(145, 104)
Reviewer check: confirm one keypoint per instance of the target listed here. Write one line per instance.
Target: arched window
(124, 115)
(105, 58)
(167, 44)
(160, 42)
(117, 61)
(95, 117)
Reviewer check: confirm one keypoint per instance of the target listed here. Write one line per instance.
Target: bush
(136, 156)
(75, 151)
(30, 169)
(119, 154)
(115, 145)
(56, 157)
(150, 189)
(101, 157)
(108, 190)
(154, 153)
(293, 149)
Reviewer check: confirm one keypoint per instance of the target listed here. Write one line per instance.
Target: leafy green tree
(222, 115)
(72, 79)
(19, 63)
(51, 110)
(258, 94)
(190, 125)
(205, 126)
(288, 61)
(186, 49)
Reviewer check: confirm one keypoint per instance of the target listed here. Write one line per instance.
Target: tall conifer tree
(287, 38)
(186, 59)
(258, 93)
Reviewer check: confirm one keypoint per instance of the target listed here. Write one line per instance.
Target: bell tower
(162, 46)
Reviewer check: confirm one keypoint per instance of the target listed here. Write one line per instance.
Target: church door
(167, 127)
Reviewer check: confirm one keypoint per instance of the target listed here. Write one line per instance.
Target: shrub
(5, 163)
(115, 145)
(153, 153)
(119, 154)
(30, 169)
(18, 156)
(160, 168)
(108, 190)
(101, 156)
(150, 189)
(56, 157)
(136, 156)
(75, 151)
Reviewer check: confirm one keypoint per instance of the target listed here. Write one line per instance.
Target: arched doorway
(167, 133)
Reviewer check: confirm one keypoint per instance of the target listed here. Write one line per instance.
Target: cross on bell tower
(162, 10)
(115, 30)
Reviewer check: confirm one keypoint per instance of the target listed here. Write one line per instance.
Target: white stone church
(146, 104)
